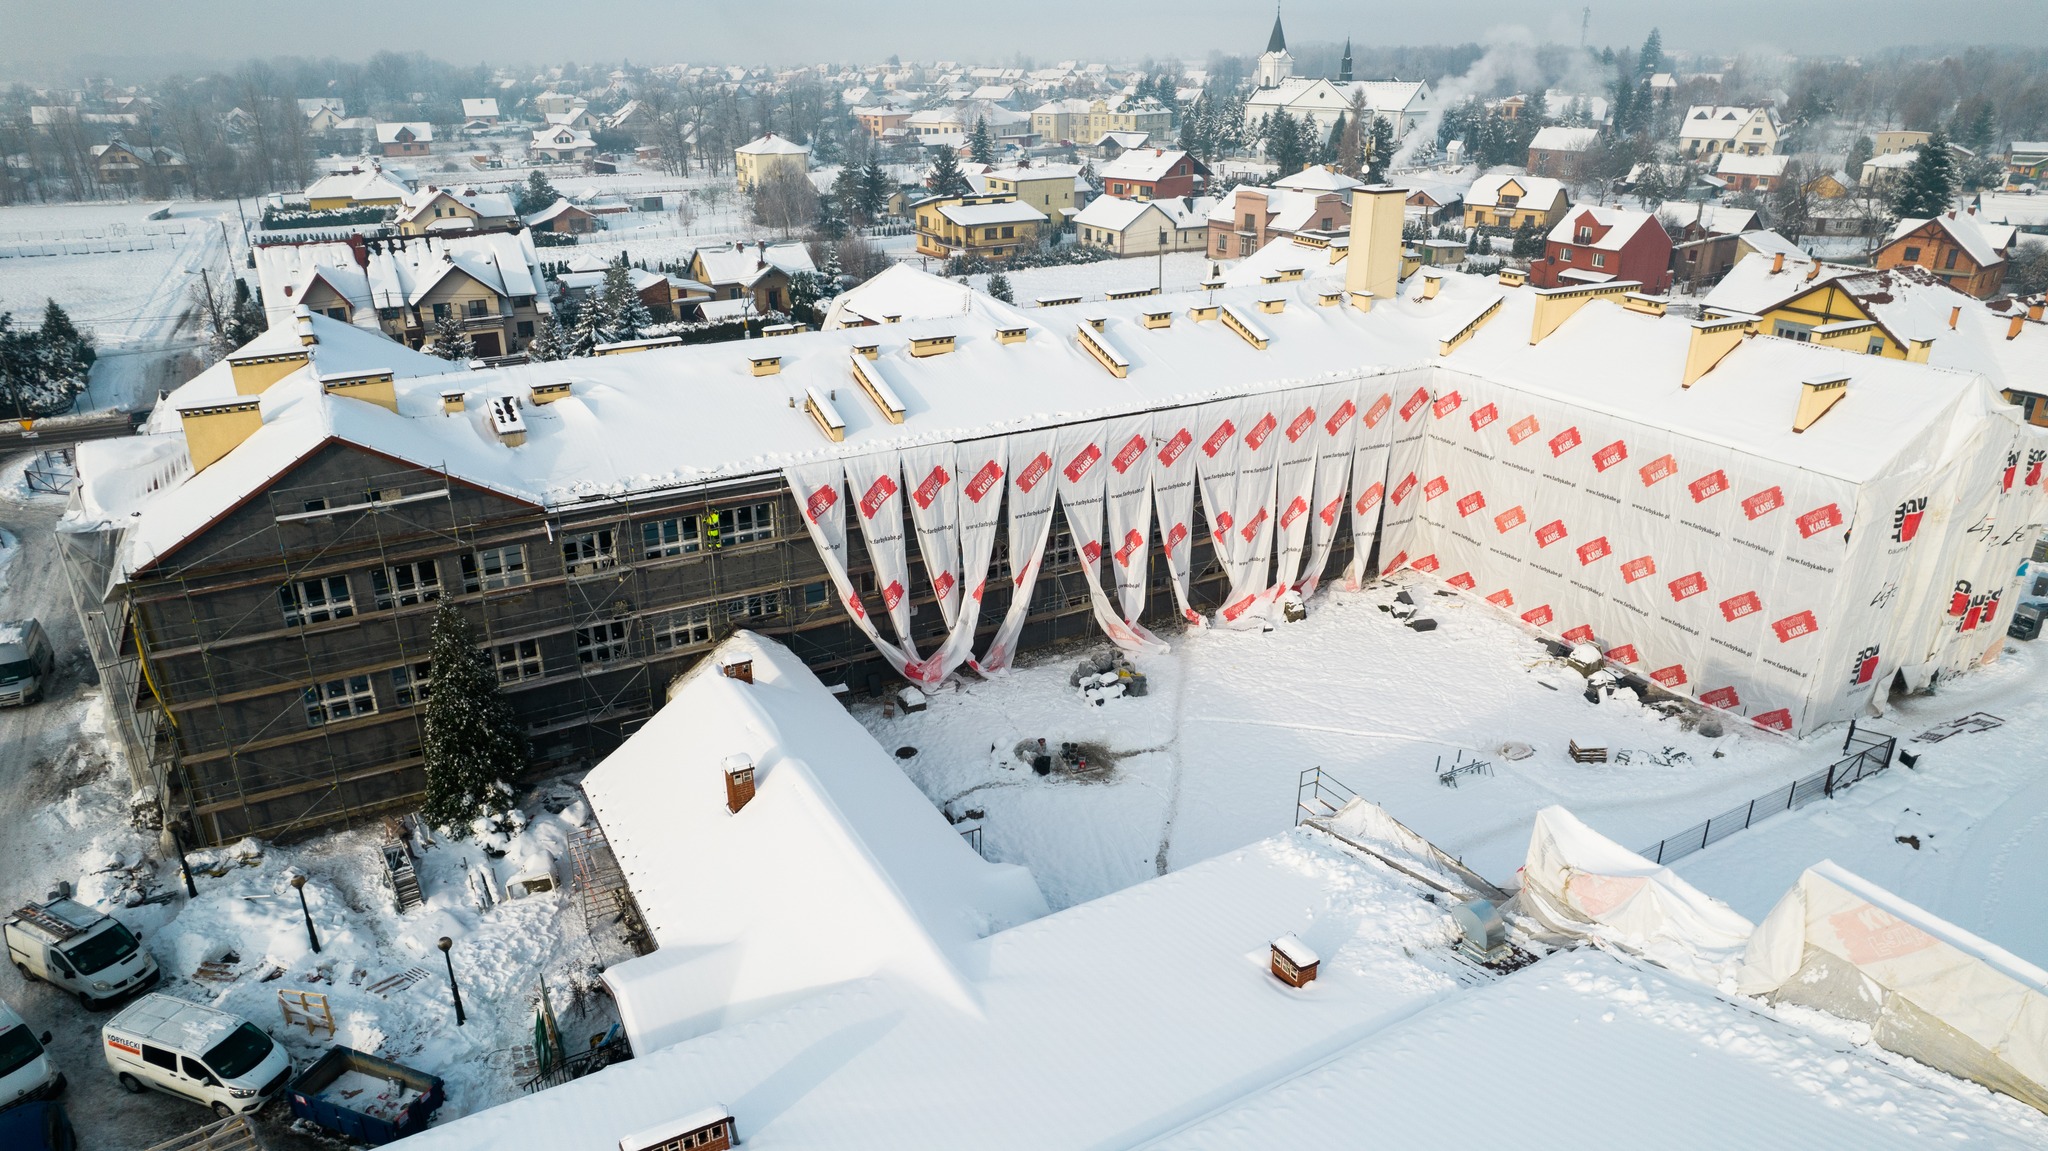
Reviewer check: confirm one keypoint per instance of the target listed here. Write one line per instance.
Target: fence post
(1828, 789)
(1660, 851)
(1704, 833)
(1851, 738)
(1751, 814)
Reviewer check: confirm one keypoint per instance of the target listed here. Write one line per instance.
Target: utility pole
(212, 308)
(1585, 21)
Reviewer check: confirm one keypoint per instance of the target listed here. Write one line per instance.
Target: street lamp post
(312, 936)
(445, 944)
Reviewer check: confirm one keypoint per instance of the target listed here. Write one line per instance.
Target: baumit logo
(1906, 519)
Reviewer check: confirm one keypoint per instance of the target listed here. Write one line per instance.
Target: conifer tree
(947, 179)
(1379, 150)
(538, 195)
(473, 747)
(450, 341)
(1928, 182)
(245, 321)
(622, 314)
(875, 187)
(981, 149)
(999, 287)
(548, 343)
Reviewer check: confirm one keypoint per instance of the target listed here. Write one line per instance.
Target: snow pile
(1581, 883)
(1927, 988)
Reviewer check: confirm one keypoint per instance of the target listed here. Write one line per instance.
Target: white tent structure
(1581, 883)
(1927, 988)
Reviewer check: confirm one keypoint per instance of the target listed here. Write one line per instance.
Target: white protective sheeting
(821, 490)
(955, 507)
(1582, 883)
(1083, 491)
(1029, 525)
(1927, 988)
(1173, 492)
(1782, 594)
(1127, 501)
(877, 487)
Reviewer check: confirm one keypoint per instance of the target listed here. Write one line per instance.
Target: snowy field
(1210, 759)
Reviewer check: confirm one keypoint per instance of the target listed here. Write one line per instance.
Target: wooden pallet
(1587, 754)
(393, 984)
(213, 971)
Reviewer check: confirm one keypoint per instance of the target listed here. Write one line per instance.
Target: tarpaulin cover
(1173, 495)
(1084, 468)
(1927, 988)
(1031, 497)
(1580, 882)
(821, 492)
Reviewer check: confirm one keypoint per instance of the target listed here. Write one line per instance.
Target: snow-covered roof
(1769, 243)
(489, 205)
(1141, 164)
(1286, 210)
(2019, 209)
(1714, 122)
(772, 145)
(1609, 229)
(1738, 164)
(1034, 172)
(743, 266)
(981, 215)
(558, 208)
(1558, 138)
(621, 430)
(837, 869)
(392, 272)
(561, 137)
(1751, 287)
(1317, 178)
(1986, 243)
(1113, 213)
(1715, 219)
(483, 107)
(387, 133)
(1485, 191)
(1125, 140)
(357, 184)
(902, 293)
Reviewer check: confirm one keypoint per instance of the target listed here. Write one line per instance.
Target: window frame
(334, 700)
(683, 629)
(597, 548)
(388, 592)
(518, 660)
(677, 535)
(333, 604)
(731, 534)
(412, 683)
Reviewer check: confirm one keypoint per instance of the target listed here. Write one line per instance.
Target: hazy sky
(39, 39)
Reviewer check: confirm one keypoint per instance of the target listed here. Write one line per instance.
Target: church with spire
(1275, 65)
(1324, 102)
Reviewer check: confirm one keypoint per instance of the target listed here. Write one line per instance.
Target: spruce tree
(875, 188)
(1652, 58)
(981, 148)
(474, 747)
(1928, 182)
(246, 321)
(1379, 150)
(846, 194)
(621, 313)
(947, 179)
(999, 287)
(547, 343)
(538, 195)
(450, 341)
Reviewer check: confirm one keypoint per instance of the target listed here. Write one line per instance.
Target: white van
(27, 662)
(91, 955)
(26, 1070)
(202, 1053)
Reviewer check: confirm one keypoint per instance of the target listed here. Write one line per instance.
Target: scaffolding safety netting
(1580, 883)
(1928, 989)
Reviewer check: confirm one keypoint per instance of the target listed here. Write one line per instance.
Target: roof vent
(1273, 304)
(1056, 301)
(1131, 293)
(214, 430)
(1432, 282)
(1483, 935)
(1329, 299)
(1816, 396)
(1712, 340)
(1007, 336)
(1513, 277)
(869, 377)
(933, 345)
(1294, 962)
(711, 1129)
(1103, 351)
(453, 402)
(1201, 312)
(1242, 324)
(1362, 300)
(549, 393)
(765, 363)
(2014, 326)
(770, 330)
(824, 415)
(371, 387)
(1158, 317)
(507, 421)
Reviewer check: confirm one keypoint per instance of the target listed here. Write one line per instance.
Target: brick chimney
(360, 248)
(739, 781)
(2013, 326)
(1955, 316)
(1777, 262)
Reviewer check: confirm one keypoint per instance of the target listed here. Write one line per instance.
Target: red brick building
(1153, 174)
(1597, 245)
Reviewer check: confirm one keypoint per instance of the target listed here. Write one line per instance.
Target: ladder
(58, 929)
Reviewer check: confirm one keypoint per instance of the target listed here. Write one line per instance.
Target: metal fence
(1318, 795)
(1868, 755)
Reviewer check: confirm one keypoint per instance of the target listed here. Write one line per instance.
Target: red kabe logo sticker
(892, 595)
(1502, 598)
(1550, 533)
(1435, 488)
(1626, 653)
(821, 501)
(984, 481)
(1721, 697)
(1171, 449)
(1123, 460)
(1768, 500)
(1296, 508)
(1779, 720)
(1484, 416)
(1257, 436)
(1687, 586)
(1133, 542)
(1537, 616)
(1609, 456)
(1522, 429)
(1510, 519)
(1331, 510)
(1711, 484)
(1237, 609)
(1819, 520)
(1369, 498)
(1402, 489)
(1593, 549)
(1302, 423)
(1176, 536)
(1463, 581)
(878, 494)
(1340, 417)
(1424, 563)
(1447, 404)
(1564, 441)
(1218, 438)
(929, 490)
(1470, 502)
(1794, 626)
(1414, 404)
(1091, 552)
(1673, 676)
(1034, 472)
(1735, 607)
(1252, 526)
(1580, 634)
(1079, 465)
(1378, 410)
(1661, 468)
(943, 584)
(1640, 567)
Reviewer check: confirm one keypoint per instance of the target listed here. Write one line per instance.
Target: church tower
(1344, 68)
(1275, 64)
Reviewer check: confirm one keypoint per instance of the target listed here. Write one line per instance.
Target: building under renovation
(940, 480)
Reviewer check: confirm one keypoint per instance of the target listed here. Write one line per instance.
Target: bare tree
(785, 201)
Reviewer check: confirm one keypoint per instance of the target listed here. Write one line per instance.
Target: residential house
(481, 110)
(881, 119)
(403, 286)
(356, 187)
(1154, 174)
(1512, 200)
(1316, 199)
(412, 138)
(1704, 238)
(668, 296)
(766, 157)
(1711, 128)
(2025, 211)
(1597, 245)
(2027, 163)
(580, 119)
(117, 163)
(1054, 189)
(633, 118)
(1830, 185)
(1967, 252)
(564, 218)
(1745, 173)
(558, 145)
(759, 277)
(1144, 227)
(434, 209)
(1110, 145)
(1083, 121)
(1884, 171)
(556, 103)
(324, 115)
(1566, 153)
(1894, 141)
(988, 227)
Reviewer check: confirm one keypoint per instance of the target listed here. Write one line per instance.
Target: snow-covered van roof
(175, 1023)
(837, 868)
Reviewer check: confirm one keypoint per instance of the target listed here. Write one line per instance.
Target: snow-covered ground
(1210, 758)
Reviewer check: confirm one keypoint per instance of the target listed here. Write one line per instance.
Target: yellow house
(1046, 187)
(450, 210)
(1506, 200)
(1826, 186)
(355, 188)
(763, 158)
(991, 227)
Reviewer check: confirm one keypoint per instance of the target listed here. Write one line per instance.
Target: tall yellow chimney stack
(1374, 264)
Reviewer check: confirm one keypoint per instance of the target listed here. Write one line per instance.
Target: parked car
(91, 955)
(26, 1070)
(201, 1053)
(27, 662)
(2026, 622)
(37, 1127)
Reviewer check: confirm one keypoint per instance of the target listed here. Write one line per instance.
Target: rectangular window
(1599, 259)
(403, 585)
(765, 605)
(1949, 265)
(690, 627)
(815, 596)
(1009, 233)
(442, 311)
(517, 660)
(1791, 331)
(1876, 347)
(1059, 551)
(747, 523)
(334, 700)
(316, 600)
(588, 551)
(492, 568)
(1912, 253)
(411, 682)
(601, 643)
(671, 537)
(474, 308)
(1565, 254)
(526, 329)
